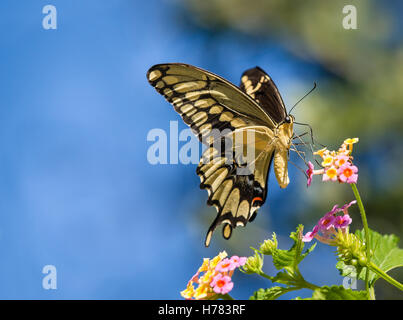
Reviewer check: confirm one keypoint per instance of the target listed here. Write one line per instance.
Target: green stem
(300, 284)
(265, 276)
(226, 297)
(385, 276)
(366, 229)
(310, 286)
(372, 293)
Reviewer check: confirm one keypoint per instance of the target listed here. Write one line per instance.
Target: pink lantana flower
(310, 235)
(309, 173)
(238, 261)
(326, 222)
(225, 265)
(327, 160)
(341, 160)
(348, 173)
(222, 284)
(328, 226)
(347, 205)
(337, 165)
(342, 221)
(330, 174)
(334, 210)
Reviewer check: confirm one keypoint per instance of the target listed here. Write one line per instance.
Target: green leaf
(270, 294)
(336, 293)
(386, 255)
(287, 278)
(289, 259)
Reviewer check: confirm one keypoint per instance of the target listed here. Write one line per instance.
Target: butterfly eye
(287, 119)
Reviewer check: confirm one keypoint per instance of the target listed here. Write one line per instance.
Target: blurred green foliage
(360, 91)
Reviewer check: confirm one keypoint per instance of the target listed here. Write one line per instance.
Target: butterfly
(208, 103)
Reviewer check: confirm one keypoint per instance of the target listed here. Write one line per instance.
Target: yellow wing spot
(205, 129)
(208, 155)
(208, 140)
(177, 101)
(208, 238)
(216, 178)
(236, 123)
(223, 191)
(243, 210)
(226, 116)
(170, 79)
(227, 230)
(189, 86)
(188, 109)
(191, 96)
(204, 103)
(212, 166)
(216, 109)
(167, 92)
(154, 75)
(160, 85)
(231, 205)
(199, 118)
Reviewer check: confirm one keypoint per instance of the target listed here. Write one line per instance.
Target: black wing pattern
(257, 84)
(206, 101)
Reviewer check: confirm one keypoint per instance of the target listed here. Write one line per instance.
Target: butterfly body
(232, 122)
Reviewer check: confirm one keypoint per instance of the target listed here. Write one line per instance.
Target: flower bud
(362, 260)
(253, 264)
(268, 246)
(353, 262)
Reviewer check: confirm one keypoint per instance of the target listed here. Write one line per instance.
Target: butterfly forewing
(204, 100)
(258, 85)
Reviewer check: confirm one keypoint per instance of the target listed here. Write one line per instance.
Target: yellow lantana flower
(327, 161)
(321, 152)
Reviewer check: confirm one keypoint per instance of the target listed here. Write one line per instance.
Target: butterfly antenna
(299, 168)
(305, 144)
(314, 86)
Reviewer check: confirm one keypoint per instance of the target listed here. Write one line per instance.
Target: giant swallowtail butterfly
(207, 102)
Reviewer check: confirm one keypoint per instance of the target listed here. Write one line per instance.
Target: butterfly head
(285, 131)
(289, 118)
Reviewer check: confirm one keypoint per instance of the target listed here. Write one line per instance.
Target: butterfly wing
(236, 188)
(206, 102)
(258, 85)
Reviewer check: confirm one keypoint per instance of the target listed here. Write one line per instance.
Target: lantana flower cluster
(213, 277)
(337, 165)
(330, 224)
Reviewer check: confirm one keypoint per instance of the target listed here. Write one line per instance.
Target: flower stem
(385, 276)
(366, 229)
(265, 276)
(310, 286)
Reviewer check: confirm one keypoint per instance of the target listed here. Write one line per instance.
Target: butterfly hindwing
(235, 190)
(258, 85)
